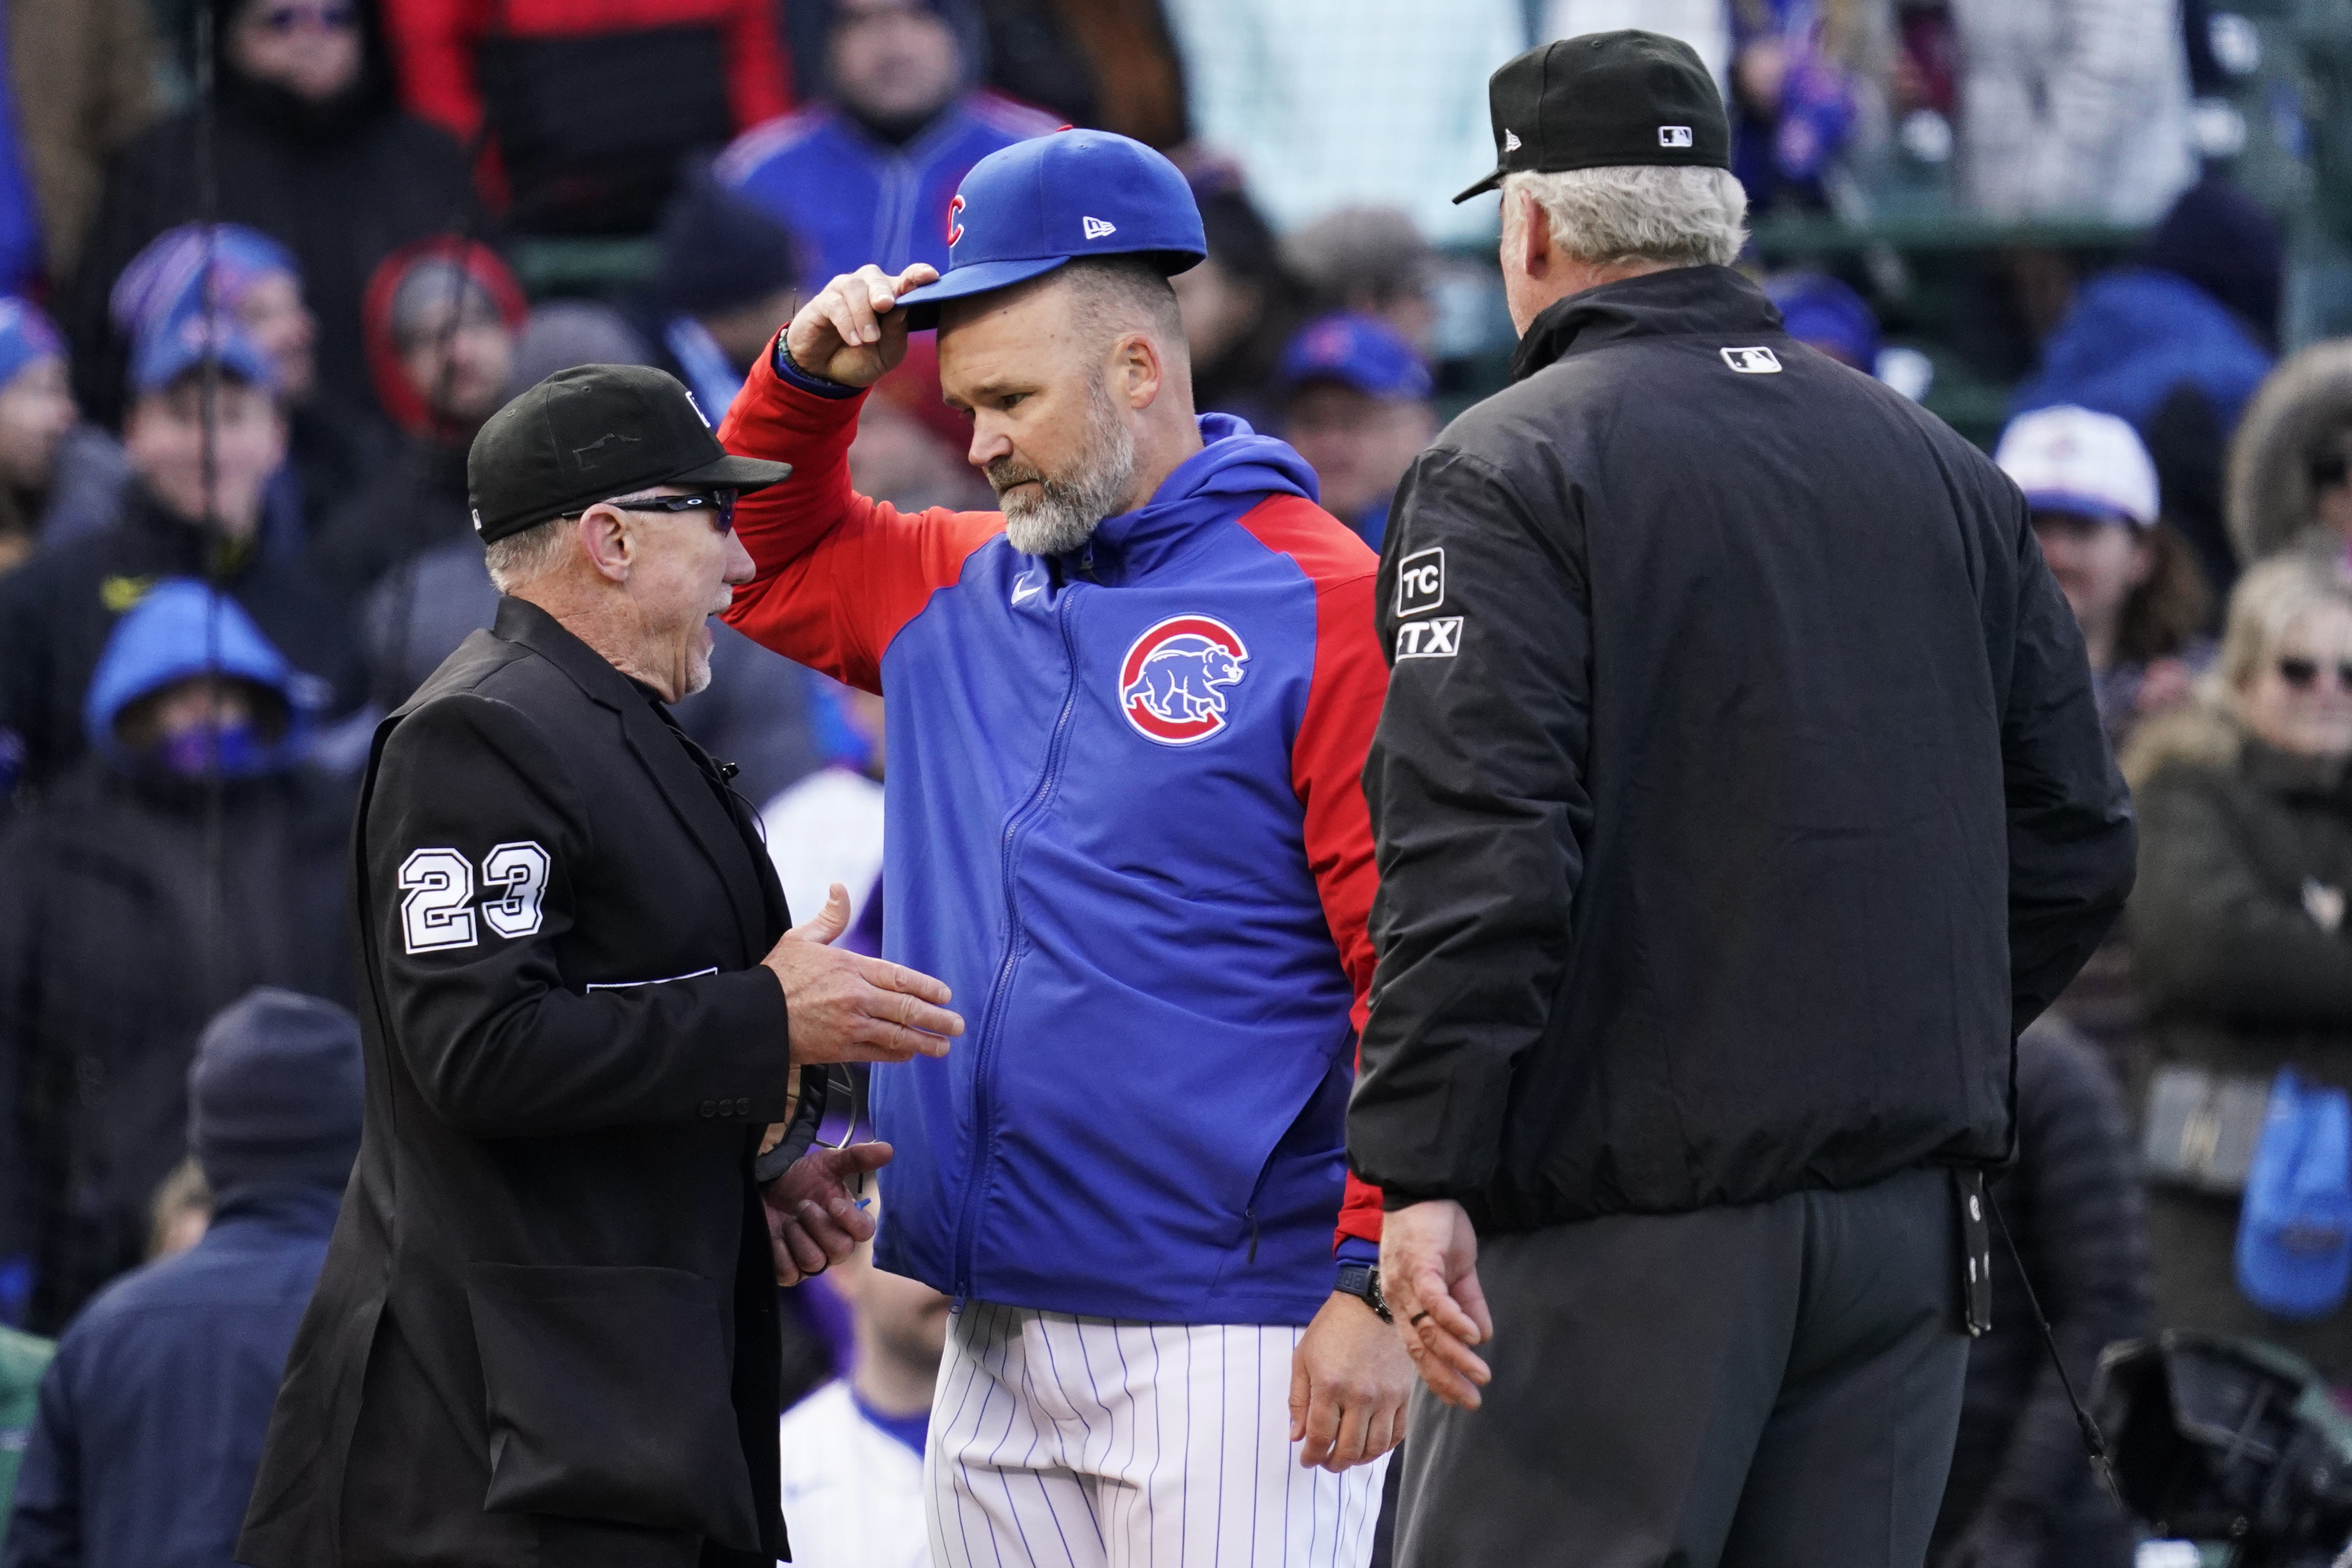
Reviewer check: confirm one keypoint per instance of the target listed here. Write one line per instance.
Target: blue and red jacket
(852, 198)
(1128, 827)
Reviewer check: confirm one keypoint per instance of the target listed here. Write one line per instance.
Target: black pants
(1761, 1386)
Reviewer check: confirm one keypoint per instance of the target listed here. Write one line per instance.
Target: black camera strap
(2094, 1442)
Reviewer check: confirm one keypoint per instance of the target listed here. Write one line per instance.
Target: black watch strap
(1362, 1281)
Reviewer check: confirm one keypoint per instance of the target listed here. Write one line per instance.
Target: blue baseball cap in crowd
(1360, 351)
(1038, 205)
(185, 341)
(1822, 311)
(25, 336)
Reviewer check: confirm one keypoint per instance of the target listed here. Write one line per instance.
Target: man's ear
(1137, 371)
(604, 539)
(1528, 233)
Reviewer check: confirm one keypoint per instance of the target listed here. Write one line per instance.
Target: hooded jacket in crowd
(342, 185)
(2176, 344)
(418, 500)
(151, 1417)
(2302, 412)
(57, 610)
(2239, 845)
(122, 930)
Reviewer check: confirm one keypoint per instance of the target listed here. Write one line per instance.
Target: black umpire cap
(591, 432)
(1603, 100)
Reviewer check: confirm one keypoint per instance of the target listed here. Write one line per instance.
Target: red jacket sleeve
(1326, 757)
(837, 575)
(433, 44)
(759, 87)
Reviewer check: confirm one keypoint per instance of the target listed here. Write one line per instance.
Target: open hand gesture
(845, 1007)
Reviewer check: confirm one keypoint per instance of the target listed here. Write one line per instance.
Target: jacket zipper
(983, 1127)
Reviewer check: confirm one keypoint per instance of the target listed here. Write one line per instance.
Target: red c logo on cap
(955, 228)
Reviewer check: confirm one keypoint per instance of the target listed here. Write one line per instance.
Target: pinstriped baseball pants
(1068, 1442)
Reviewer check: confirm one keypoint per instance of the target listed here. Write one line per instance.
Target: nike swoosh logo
(1025, 591)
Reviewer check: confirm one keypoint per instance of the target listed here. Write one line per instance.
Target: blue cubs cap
(1031, 207)
(1360, 351)
(178, 346)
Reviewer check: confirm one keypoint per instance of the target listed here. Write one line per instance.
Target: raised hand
(852, 331)
(1428, 1272)
(845, 1007)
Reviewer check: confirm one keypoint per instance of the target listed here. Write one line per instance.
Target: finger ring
(1415, 1321)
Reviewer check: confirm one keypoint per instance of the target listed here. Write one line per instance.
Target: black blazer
(546, 1331)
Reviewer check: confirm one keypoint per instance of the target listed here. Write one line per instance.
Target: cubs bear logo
(1172, 684)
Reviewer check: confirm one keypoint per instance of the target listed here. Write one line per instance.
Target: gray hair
(520, 559)
(1680, 216)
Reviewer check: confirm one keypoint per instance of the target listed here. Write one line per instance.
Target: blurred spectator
(866, 174)
(1240, 306)
(1334, 103)
(2238, 919)
(58, 476)
(1108, 63)
(254, 289)
(57, 610)
(2176, 344)
(2289, 482)
(1372, 261)
(562, 333)
(1356, 405)
(726, 281)
(23, 1359)
(897, 458)
(853, 1451)
(1824, 313)
(1809, 79)
(76, 82)
(827, 827)
(442, 316)
(2019, 1495)
(192, 859)
(420, 607)
(312, 151)
(180, 1211)
(2072, 109)
(2130, 578)
(589, 107)
(152, 1415)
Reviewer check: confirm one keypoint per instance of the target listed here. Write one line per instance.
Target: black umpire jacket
(546, 1331)
(1739, 792)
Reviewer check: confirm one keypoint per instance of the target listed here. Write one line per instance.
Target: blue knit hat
(276, 1093)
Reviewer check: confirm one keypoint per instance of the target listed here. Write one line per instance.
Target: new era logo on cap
(1096, 228)
(1674, 135)
(1510, 142)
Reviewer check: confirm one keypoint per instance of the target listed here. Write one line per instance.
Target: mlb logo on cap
(1031, 207)
(1674, 135)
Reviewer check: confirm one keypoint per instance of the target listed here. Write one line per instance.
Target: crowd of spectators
(246, 342)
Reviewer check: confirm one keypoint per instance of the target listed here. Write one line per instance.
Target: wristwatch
(1362, 1281)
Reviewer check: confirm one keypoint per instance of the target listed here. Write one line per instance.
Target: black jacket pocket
(607, 1392)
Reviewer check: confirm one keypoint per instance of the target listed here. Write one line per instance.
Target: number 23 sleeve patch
(444, 905)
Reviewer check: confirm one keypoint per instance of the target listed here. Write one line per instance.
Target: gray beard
(1062, 516)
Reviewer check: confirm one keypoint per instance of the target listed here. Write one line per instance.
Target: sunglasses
(285, 19)
(720, 503)
(2302, 675)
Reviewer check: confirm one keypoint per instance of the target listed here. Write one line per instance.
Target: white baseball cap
(2069, 459)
